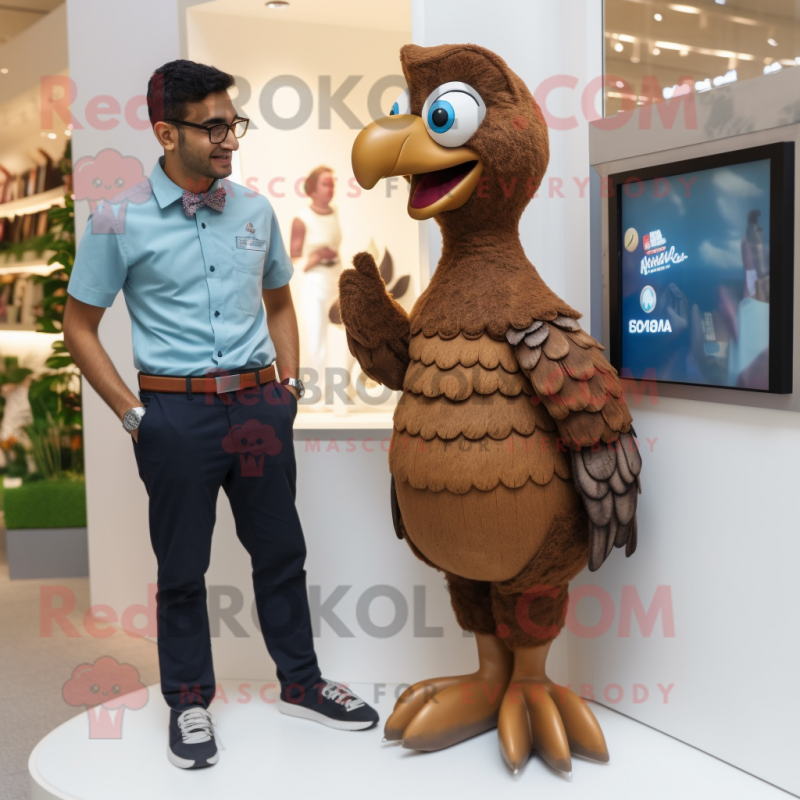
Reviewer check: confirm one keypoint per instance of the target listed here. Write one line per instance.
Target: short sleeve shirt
(192, 285)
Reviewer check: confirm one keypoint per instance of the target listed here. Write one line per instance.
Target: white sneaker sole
(189, 763)
(296, 710)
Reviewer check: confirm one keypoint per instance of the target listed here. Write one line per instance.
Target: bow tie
(215, 200)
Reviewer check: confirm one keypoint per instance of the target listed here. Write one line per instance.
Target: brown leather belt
(218, 383)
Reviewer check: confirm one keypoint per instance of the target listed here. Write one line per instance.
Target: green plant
(17, 459)
(54, 285)
(45, 439)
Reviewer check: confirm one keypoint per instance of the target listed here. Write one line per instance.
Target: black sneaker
(192, 742)
(330, 703)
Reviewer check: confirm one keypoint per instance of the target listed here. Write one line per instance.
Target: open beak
(442, 178)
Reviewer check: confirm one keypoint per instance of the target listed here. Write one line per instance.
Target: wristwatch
(296, 383)
(132, 418)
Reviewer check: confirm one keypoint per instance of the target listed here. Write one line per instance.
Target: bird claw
(437, 713)
(540, 716)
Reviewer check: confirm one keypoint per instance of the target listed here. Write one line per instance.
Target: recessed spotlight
(68, 133)
(277, 4)
(619, 47)
(720, 2)
(620, 85)
(4, 71)
(656, 51)
(684, 52)
(52, 135)
(658, 17)
(772, 42)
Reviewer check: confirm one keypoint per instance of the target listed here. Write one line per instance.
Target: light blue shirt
(192, 285)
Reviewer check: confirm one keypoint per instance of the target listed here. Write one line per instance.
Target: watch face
(131, 420)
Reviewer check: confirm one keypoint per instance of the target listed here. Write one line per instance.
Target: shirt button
(216, 313)
(219, 352)
(203, 224)
(212, 267)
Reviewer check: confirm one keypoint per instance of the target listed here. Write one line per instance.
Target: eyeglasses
(219, 132)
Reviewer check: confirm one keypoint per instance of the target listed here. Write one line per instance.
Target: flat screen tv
(701, 270)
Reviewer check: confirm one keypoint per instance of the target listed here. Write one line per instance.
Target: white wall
(717, 515)
(539, 39)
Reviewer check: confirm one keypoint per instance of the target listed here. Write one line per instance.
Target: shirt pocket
(248, 272)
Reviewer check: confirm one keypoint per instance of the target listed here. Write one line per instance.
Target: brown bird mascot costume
(513, 459)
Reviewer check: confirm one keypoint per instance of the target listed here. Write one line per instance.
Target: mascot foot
(540, 716)
(439, 712)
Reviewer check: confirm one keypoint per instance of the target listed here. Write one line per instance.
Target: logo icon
(106, 688)
(249, 228)
(652, 240)
(631, 239)
(647, 299)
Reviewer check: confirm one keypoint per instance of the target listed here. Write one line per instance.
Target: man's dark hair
(180, 82)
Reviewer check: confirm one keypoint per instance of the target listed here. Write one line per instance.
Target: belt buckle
(228, 383)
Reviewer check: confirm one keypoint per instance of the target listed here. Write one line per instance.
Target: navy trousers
(189, 445)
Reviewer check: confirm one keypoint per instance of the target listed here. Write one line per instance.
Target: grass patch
(46, 504)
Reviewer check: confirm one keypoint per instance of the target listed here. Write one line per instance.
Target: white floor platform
(267, 754)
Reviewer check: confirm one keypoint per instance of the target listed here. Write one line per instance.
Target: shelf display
(41, 439)
(36, 180)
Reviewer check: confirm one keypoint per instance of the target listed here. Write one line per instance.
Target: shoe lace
(197, 725)
(340, 694)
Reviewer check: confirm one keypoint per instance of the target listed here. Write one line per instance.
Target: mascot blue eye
(441, 116)
(453, 113)
(401, 105)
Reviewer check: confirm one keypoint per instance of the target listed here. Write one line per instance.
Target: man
(193, 261)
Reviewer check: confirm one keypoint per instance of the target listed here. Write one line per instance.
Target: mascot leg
(537, 715)
(436, 713)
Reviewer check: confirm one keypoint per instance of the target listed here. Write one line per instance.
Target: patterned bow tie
(215, 200)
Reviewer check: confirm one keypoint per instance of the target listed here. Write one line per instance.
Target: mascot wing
(581, 391)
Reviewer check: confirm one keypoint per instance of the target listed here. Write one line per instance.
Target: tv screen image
(693, 291)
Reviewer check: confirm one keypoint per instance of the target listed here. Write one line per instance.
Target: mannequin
(315, 240)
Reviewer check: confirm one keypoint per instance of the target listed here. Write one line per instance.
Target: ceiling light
(656, 51)
(277, 4)
(4, 70)
(658, 17)
(620, 85)
(623, 37)
(619, 47)
(635, 59)
(684, 9)
(743, 20)
(51, 135)
(772, 42)
(684, 52)
(720, 2)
